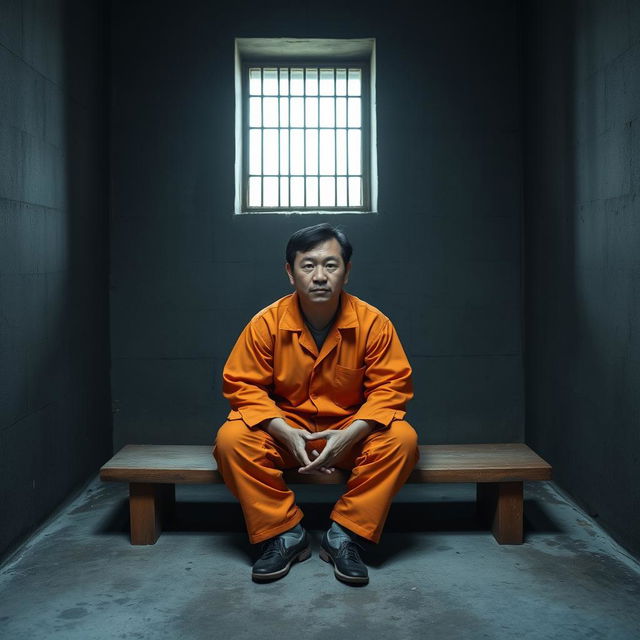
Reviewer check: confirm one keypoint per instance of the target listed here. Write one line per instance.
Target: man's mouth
(321, 289)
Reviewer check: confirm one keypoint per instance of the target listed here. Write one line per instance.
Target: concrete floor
(436, 574)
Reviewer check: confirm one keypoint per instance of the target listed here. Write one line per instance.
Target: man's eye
(331, 266)
(307, 267)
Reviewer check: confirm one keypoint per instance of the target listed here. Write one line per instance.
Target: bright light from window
(305, 137)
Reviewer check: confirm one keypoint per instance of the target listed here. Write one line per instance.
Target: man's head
(318, 263)
(305, 239)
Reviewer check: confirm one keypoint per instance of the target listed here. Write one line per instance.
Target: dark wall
(442, 258)
(582, 235)
(55, 421)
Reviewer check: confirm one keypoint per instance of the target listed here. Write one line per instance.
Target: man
(318, 380)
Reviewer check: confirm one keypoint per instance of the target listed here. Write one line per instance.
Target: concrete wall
(583, 252)
(442, 258)
(55, 422)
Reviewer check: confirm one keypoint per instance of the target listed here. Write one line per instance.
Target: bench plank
(180, 464)
(194, 464)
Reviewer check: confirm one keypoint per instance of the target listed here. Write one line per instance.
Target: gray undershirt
(319, 336)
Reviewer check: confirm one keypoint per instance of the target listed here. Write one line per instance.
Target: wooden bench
(498, 470)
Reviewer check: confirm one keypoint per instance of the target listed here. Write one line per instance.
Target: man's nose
(319, 275)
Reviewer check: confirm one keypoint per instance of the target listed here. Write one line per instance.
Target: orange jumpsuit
(275, 370)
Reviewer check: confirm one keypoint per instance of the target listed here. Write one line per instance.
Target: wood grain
(194, 464)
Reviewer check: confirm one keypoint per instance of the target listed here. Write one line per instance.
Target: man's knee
(404, 438)
(232, 440)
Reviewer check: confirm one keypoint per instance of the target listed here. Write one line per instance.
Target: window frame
(296, 53)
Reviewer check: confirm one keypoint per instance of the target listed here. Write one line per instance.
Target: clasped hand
(339, 441)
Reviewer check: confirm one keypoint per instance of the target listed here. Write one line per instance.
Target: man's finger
(319, 435)
(321, 471)
(302, 457)
(322, 456)
(327, 469)
(315, 453)
(312, 468)
(320, 461)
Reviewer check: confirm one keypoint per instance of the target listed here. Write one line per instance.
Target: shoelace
(272, 547)
(349, 550)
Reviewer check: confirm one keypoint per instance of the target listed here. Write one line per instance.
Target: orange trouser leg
(381, 464)
(250, 462)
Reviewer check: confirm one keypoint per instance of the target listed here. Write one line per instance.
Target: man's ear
(347, 271)
(287, 267)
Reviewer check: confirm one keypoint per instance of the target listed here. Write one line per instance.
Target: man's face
(319, 274)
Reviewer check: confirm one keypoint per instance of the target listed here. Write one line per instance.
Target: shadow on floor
(405, 518)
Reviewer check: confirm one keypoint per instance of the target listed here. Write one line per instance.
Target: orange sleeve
(387, 379)
(248, 375)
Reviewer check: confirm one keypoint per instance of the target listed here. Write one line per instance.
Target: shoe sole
(326, 556)
(265, 577)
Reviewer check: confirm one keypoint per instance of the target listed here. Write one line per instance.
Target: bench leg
(501, 504)
(148, 503)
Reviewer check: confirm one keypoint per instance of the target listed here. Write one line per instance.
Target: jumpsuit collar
(292, 319)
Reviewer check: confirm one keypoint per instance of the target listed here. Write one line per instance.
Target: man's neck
(319, 316)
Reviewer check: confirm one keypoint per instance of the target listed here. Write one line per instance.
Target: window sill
(302, 212)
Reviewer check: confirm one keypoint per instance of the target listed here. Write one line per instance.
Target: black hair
(305, 239)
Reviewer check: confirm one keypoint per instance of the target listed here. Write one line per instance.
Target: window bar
(347, 135)
(278, 130)
(247, 147)
(289, 128)
(318, 134)
(335, 142)
(304, 133)
(346, 145)
(245, 142)
(262, 135)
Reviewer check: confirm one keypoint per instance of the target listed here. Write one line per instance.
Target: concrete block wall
(55, 419)
(582, 195)
(442, 258)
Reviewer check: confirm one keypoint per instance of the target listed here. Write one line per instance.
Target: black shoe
(347, 564)
(276, 558)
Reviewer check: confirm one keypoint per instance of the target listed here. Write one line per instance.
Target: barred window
(306, 135)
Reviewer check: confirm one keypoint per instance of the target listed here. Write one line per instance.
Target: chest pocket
(347, 390)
